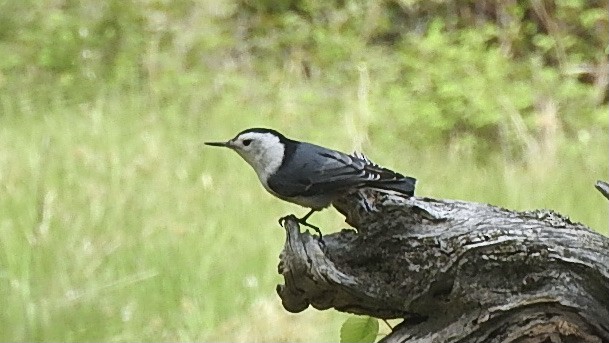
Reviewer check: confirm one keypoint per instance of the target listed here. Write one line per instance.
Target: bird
(310, 175)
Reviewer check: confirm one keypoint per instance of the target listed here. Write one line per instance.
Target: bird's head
(263, 149)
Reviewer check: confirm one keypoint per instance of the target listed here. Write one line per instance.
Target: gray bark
(603, 187)
(454, 271)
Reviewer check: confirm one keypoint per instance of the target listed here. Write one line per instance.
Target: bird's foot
(321, 238)
(302, 221)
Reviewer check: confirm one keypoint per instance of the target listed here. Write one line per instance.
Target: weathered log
(455, 271)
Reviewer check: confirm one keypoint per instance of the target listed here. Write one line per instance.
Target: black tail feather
(405, 185)
(386, 178)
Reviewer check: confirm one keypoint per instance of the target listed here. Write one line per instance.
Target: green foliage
(358, 329)
(118, 225)
(70, 46)
(446, 88)
(442, 77)
(443, 71)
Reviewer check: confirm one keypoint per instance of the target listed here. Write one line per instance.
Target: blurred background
(117, 224)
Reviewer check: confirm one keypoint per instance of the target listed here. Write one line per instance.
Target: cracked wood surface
(454, 271)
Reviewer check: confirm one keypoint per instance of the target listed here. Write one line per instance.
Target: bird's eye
(247, 142)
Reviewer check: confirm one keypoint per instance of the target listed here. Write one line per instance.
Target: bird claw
(302, 221)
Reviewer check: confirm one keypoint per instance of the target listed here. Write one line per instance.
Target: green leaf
(358, 329)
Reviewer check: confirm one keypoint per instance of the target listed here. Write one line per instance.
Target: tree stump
(455, 271)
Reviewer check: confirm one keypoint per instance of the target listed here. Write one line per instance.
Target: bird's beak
(220, 144)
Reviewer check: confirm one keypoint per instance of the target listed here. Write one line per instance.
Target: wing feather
(329, 171)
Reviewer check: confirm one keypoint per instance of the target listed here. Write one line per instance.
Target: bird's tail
(404, 185)
(387, 179)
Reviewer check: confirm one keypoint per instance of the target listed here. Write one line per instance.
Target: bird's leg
(303, 221)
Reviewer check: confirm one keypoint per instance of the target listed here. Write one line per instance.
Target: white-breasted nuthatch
(310, 175)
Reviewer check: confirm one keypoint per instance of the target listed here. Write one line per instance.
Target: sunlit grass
(118, 224)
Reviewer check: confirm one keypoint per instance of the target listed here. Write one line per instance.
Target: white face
(263, 151)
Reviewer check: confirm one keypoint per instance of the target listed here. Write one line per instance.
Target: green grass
(117, 224)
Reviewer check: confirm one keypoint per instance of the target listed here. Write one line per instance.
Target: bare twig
(603, 187)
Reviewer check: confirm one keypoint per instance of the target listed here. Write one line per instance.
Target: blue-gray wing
(314, 170)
